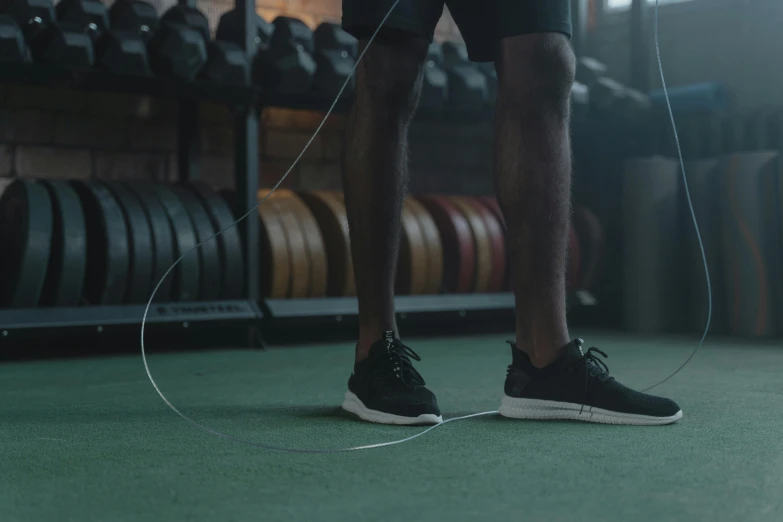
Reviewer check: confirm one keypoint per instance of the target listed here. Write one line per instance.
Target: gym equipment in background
(751, 233)
(49, 40)
(26, 229)
(434, 88)
(288, 65)
(652, 302)
(335, 58)
(468, 88)
(13, 48)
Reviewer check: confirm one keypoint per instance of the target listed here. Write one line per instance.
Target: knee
(536, 73)
(389, 80)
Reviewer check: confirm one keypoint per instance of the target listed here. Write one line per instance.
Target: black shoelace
(594, 367)
(396, 367)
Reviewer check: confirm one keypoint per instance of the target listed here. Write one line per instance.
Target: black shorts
(482, 24)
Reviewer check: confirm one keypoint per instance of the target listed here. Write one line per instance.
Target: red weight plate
(433, 245)
(497, 239)
(412, 265)
(481, 242)
(459, 257)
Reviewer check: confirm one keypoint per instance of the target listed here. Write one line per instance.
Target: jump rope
(453, 419)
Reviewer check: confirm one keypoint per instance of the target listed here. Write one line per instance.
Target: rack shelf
(16, 323)
(104, 81)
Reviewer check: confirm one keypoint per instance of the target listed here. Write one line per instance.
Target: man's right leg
(375, 172)
(384, 386)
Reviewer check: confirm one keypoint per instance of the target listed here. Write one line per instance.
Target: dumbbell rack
(37, 323)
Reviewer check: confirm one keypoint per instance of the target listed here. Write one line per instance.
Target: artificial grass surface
(89, 440)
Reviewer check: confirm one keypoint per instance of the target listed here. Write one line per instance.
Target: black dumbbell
(13, 48)
(135, 17)
(434, 88)
(468, 89)
(186, 13)
(333, 68)
(122, 52)
(90, 16)
(50, 41)
(332, 37)
(228, 30)
(288, 65)
(177, 50)
(227, 64)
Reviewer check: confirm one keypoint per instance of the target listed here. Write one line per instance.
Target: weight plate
(592, 242)
(162, 242)
(412, 264)
(68, 257)
(314, 241)
(329, 211)
(229, 242)
(433, 245)
(107, 244)
(26, 235)
(186, 283)
(141, 262)
(209, 251)
(276, 263)
(298, 253)
(492, 204)
(481, 243)
(573, 278)
(459, 257)
(497, 241)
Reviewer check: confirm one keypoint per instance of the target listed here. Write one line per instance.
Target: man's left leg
(550, 377)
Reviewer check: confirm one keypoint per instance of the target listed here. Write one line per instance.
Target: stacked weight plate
(448, 244)
(69, 243)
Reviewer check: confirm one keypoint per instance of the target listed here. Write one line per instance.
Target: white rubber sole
(354, 405)
(553, 410)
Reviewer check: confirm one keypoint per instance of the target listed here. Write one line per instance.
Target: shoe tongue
(574, 352)
(388, 336)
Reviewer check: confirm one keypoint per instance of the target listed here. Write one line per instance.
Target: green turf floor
(89, 440)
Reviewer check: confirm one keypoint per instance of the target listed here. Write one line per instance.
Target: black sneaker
(386, 388)
(578, 387)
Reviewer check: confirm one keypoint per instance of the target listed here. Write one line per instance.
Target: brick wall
(52, 133)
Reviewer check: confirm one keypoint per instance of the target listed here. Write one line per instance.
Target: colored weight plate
(315, 244)
(412, 263)
(329, 211)
(141, 262)
(107, 244)
(298, 251)
(232, 282)
(276, 262)
(492, 204)
(497, 241)
(188, 278)
(433, 245)
(68, 257)
(592, 242)
(162, 241)
(208, 251)
(574, 275)
(482, 243)
(459, 257)
(26, 226)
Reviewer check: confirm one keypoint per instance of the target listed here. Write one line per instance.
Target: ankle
(541, 356)
(367, 338)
